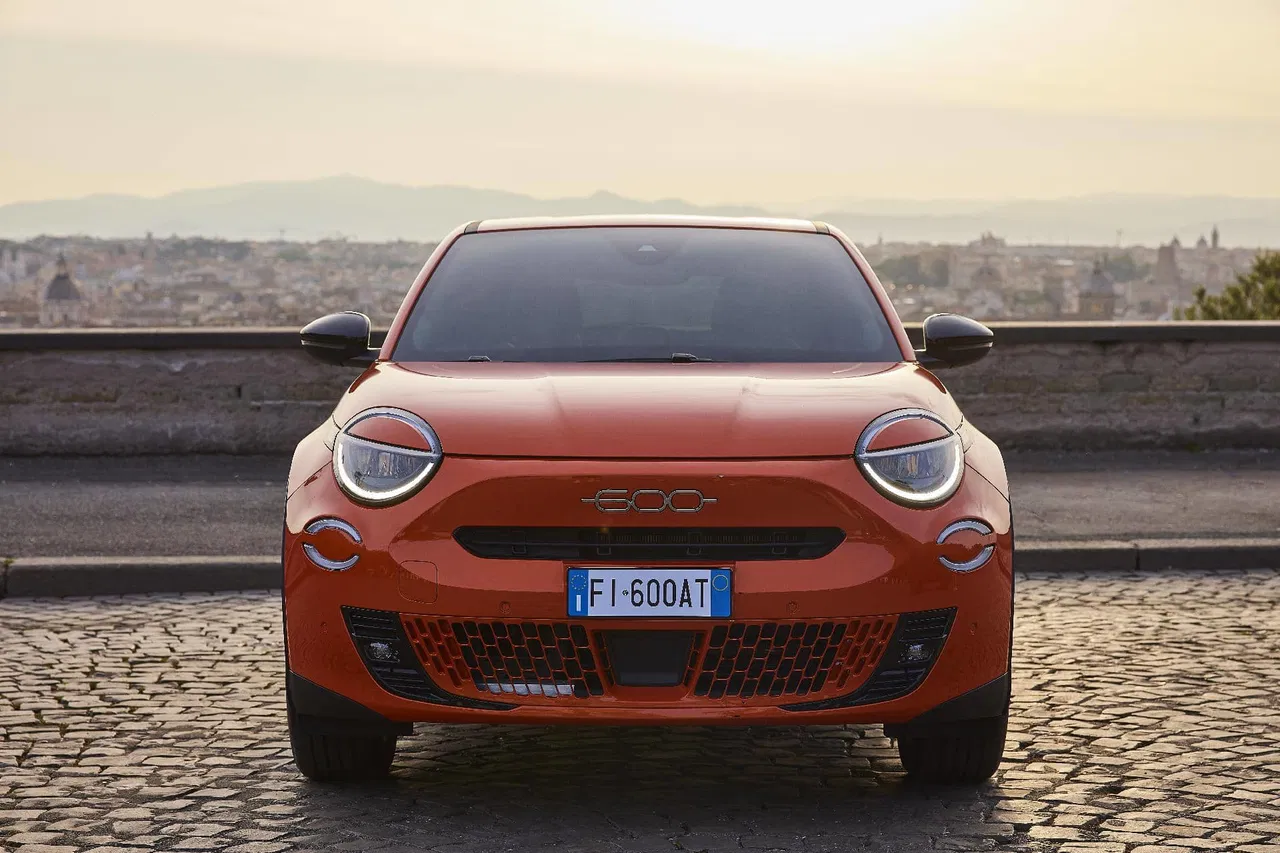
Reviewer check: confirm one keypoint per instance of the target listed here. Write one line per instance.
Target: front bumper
(472, 639)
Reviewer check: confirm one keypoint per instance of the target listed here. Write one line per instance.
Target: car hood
(648, 411)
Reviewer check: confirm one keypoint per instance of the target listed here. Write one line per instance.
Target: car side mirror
(953, 341)
(341, 339)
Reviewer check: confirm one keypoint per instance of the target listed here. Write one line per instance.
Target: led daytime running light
(948, 445)
(347, 444)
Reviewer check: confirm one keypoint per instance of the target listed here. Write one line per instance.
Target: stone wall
(254, 391)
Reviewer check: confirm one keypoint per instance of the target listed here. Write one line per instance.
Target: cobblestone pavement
(1147, 718)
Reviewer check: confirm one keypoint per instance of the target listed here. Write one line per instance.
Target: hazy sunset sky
(710, 100)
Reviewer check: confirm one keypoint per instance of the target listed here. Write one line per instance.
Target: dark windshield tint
(604, 294)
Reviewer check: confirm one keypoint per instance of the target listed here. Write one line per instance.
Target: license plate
(649, 592)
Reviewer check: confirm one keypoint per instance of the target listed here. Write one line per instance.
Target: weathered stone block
(1234, 381)
(1124, 382)
(1013, 385)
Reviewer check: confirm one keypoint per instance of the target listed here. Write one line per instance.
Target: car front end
(637, 542)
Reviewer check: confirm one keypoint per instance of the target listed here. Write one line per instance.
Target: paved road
(233, 505)
(1146, 720)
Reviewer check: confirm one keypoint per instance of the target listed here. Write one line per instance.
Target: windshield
(647, 294)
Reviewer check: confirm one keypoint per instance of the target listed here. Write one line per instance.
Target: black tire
(329, 757)
(964, 753)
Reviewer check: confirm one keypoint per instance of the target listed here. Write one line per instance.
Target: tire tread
(327, 757)
(964, 754)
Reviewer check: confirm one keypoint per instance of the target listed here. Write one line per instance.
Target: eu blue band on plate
(721, 583)
(578, 592)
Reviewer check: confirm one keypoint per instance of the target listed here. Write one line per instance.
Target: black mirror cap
(340, 339)
(951, 340)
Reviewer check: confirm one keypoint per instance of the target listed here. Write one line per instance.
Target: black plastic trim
(403, 676)
(736, 544)
(319, 709)
(893, 678)
(989, 700)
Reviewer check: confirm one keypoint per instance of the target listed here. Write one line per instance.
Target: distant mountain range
(362, 209)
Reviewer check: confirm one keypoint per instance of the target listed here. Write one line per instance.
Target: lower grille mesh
(563, 660)
(789, 658)
(552, 659)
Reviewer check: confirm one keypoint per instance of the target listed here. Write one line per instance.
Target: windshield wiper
(674, 358)
(478, 358)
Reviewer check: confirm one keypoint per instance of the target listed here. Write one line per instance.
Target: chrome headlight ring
(916, 475)
(377, 474)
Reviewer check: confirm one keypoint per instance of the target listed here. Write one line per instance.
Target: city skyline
(716, 103)
(76, 282)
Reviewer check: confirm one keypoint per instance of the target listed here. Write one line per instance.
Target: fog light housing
(916, 653)
(382, 652)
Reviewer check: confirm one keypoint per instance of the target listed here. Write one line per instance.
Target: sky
(714, 101)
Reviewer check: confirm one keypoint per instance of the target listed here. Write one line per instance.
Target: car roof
(762, 223)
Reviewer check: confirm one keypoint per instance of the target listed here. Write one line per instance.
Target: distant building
(986, 277)
(62, 303)
(1098, 295)
(1167, 278)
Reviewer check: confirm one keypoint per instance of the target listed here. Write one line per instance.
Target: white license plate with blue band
(642, 592)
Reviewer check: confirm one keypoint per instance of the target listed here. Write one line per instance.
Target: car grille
(544, 662)
(897, 674)
(644, 544)
(548, 659)
(380, 639)
(789, 658)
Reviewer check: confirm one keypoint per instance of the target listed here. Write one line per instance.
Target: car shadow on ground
(622, 788)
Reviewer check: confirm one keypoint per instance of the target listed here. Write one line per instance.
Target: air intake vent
(650, 544)
(917, 642)
(391, 660)
(789, 658)
(548, 659)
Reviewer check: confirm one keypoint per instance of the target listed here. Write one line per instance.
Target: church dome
(61, 287)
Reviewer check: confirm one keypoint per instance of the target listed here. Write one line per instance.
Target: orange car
(657, 470)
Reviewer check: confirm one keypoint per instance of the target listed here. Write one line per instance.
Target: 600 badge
(649, 500)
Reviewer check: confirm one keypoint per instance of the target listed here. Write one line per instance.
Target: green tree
(1254, 296)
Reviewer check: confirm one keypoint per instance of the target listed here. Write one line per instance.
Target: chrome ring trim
(982, 557)
(886, 420)
(314, 555)
(325, 563)
(914, 448)
(334, 524)
(970, 565)
(419, 426)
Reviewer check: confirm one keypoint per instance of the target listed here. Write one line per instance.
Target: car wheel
(964, 753)
(331, 757)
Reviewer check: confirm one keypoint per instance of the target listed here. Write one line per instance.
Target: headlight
(385, 455)
(918, 473)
